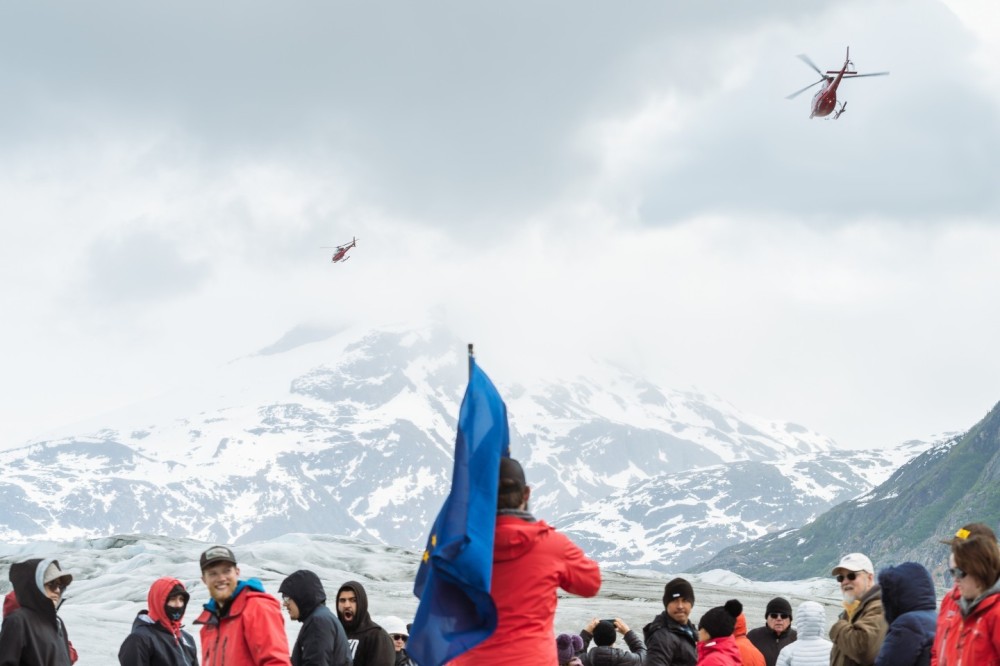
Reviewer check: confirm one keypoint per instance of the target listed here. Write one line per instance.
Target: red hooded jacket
(531, 561)
(749, 653)
(252, 633)
(156, 640)
(159, 592)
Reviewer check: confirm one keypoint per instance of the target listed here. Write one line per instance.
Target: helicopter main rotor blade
(858, 76)
(799, 92)
(804, 58)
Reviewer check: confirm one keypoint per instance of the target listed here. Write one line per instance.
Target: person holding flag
(491, 570)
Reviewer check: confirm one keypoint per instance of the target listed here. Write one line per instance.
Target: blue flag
(456, 612)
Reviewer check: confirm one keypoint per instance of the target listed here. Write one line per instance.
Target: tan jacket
(856, 642)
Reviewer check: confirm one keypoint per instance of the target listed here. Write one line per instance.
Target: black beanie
(604, 633)
(778, 605)
(678, 588)
(721, 620)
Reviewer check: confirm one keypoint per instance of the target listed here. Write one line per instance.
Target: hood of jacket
(159, 592)
(967, 607)
(810, 620)
(306, 590)
(361, 620)
(515, 536)
(874, 593)
(906, 587)
(27, 577)
(250, 584)
(741, 626)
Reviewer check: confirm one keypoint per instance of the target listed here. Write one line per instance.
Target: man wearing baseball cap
(858, 633)
(241, 625)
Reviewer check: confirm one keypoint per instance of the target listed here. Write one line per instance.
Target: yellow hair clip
(962, 534)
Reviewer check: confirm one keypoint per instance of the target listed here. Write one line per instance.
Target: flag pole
(472, 356)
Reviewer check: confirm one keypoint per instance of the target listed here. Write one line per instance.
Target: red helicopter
(341, 250)
(825, 101)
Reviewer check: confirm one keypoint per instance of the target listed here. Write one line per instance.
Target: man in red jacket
(241, 625)
(531, 561)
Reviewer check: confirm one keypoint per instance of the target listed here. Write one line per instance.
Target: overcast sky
(553, 179)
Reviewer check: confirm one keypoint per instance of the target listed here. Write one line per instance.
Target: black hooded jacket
(370, 644)
(34, 635)
(151, 644)
(322, 640)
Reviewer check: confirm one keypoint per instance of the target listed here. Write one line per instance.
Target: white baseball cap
(854, 562)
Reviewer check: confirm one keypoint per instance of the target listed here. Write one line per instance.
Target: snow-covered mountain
(678, 520)
(351, 433)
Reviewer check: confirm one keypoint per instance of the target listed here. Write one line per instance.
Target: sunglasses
(55, 586)
(957, 573)
(850, 576)
(398, 637)
(778, 616)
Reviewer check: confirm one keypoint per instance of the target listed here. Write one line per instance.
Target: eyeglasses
(850, 576)
(957, 573)
(55, 586)
(778, 616)
(398, 637)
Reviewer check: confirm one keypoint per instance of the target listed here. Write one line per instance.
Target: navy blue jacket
(909, 604)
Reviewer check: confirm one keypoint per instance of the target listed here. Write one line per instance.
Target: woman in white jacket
(811, 648)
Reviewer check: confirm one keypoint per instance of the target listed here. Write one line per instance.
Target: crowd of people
(891, 619)
(241, 625)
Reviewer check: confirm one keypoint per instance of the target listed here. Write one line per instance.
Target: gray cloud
(448, 109)
(627, 180)
(140, 266)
